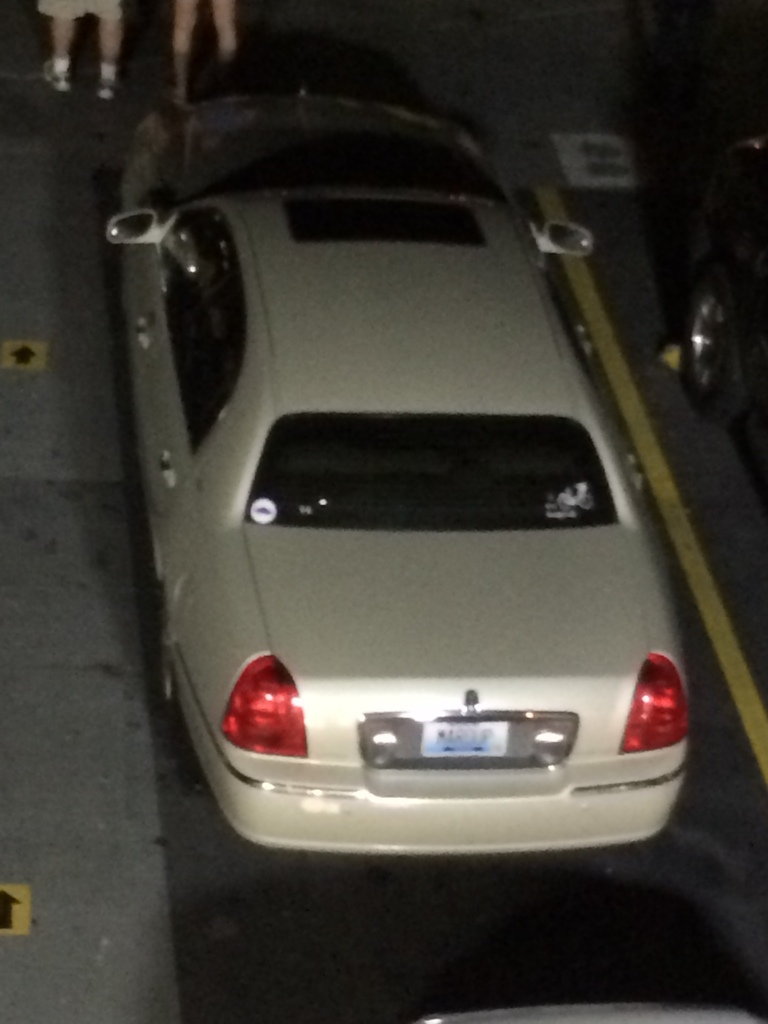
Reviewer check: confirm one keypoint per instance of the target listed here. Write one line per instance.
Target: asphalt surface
(145, 907)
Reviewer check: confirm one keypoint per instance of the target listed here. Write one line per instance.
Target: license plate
(464, 739)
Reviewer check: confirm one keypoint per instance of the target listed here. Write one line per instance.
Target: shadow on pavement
(594, 941)
(286, 63)
(316, 940)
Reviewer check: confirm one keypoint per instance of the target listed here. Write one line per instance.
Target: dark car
(724, 349)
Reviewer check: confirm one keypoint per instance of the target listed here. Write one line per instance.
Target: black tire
(710, 368)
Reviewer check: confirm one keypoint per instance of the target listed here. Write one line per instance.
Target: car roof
(413, 326)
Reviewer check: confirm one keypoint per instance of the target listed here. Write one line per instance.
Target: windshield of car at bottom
(429, 472)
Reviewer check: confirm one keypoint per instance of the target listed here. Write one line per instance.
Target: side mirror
(562, 238)
(138, 227)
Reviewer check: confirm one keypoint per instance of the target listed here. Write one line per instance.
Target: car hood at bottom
(607, 1013)
(557, 604)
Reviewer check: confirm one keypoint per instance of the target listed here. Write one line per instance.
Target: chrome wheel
(709, 365)
(708, 341)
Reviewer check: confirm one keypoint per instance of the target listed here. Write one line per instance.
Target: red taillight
(659, 714)
(264, 713)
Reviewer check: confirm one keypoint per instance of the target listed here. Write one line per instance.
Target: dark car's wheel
(709, 365)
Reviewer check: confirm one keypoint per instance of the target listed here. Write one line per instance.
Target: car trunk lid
(420, 626)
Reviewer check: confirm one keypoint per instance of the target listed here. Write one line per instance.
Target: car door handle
(143, 335)
(168, 473)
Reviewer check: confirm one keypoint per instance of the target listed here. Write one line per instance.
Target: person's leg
(62, 36)
(110, 45)
(184, 18)
(226, 28)
(57, 69)
(110, 40)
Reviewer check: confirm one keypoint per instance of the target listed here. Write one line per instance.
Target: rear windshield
(381, 220)
(361, 160)
(370, 472)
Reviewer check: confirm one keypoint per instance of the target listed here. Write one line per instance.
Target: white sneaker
(59, 80)
(107, 80)
(106, 90)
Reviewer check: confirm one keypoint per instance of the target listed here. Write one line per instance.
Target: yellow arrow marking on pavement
(674, 514)
(24, 355)
(15, 909)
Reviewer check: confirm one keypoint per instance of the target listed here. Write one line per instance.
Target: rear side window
(370, 472)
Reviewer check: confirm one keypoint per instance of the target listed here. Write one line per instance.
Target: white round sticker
(263, 511)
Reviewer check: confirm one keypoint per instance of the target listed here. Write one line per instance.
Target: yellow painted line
(24, 355)
(690, 554)
(15, 909)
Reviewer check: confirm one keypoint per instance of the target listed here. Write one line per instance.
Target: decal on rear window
(263, 511)
(570, 502)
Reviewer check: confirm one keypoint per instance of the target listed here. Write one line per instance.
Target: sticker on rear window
(569, 503)
(263, 511)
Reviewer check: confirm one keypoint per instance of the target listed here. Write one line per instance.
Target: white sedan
(413, 600)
